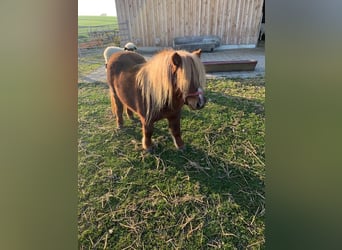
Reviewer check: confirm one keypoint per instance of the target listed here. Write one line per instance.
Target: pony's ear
(176, 60)
(197, 52)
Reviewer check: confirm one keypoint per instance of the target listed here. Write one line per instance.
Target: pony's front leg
(174, 127)
(147, 136)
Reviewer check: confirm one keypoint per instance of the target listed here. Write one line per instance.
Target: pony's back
(123, 62)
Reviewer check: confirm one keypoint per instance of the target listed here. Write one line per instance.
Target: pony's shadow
(232, 181)
(246, 105)
(215, 175)
(225, 177)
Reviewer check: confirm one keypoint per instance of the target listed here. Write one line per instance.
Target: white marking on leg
(174, 141)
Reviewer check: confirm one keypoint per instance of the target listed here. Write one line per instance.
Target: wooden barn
(151, 23)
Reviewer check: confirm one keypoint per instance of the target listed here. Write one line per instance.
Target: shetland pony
(156, 89)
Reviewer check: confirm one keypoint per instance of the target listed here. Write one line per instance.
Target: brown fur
(156, 89)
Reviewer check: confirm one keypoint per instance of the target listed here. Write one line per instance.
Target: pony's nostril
(200, 105)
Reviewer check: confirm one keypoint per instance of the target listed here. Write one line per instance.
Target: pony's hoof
(149, 150)
(182, 148)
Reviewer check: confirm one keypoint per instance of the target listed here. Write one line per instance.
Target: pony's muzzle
(196, 100)
(202, 102)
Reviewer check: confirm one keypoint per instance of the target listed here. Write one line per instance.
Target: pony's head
(172, 77)
(190, 74)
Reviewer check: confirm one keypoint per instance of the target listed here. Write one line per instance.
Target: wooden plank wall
(157, 22)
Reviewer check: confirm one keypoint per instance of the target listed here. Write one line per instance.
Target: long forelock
(155, 79)
(192, 72)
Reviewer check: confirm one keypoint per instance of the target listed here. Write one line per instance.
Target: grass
(91, 59)
(97, 20)
(209, 196)
(95, 23)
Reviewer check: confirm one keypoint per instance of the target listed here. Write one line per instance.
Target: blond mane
(155, 79)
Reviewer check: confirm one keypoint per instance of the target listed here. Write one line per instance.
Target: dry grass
(209, 197)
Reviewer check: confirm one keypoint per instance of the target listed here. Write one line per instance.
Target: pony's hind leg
(129, 113)
(174, 127)
(117, 108)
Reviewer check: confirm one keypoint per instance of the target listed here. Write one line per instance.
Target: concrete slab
(257, 54)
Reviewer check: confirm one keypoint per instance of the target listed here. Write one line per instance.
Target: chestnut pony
(156, 89)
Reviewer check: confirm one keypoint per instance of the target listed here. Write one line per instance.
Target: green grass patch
(90, 61)
(209, 196)
(95, 24)
(97, 20)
